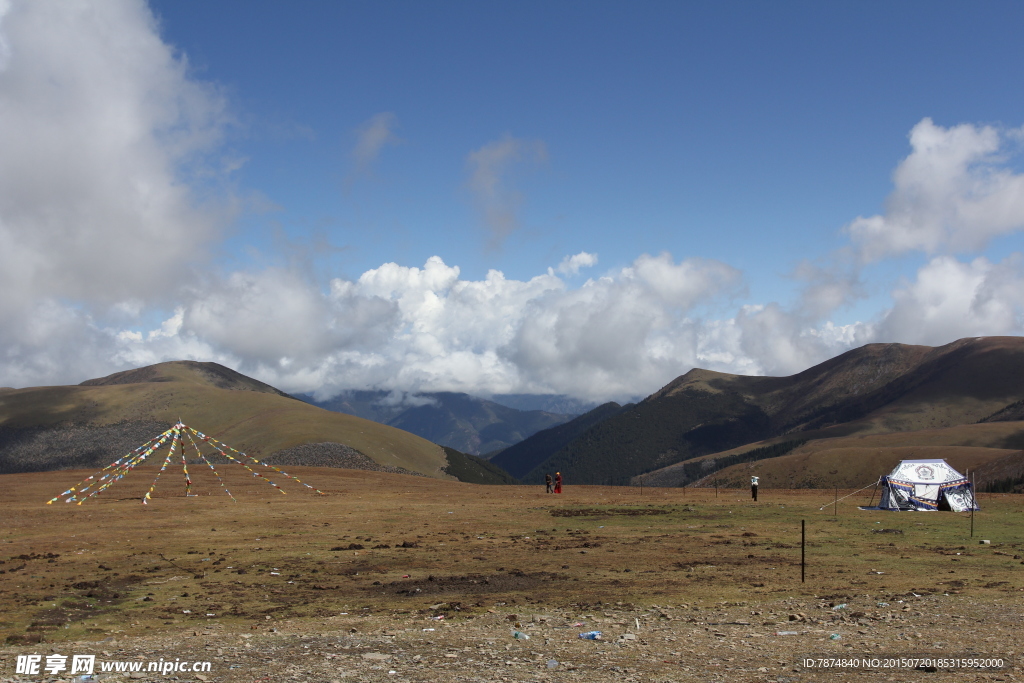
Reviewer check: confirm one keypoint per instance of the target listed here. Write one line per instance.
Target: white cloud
(489, 170)
(410, 330)
(105, 140)
(953, 193)
(571, 265)
(99, 123)
(621, 334)
(950, 299)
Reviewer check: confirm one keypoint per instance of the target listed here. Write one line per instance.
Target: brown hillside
(194, 372)
(874, 389)
(882, 387)
(238, 410)
(848, 467)
(844, 461)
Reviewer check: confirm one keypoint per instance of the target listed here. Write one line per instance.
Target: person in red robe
(558, 482)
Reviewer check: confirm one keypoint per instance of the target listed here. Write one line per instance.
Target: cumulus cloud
(571, 265)
(950, 299)
(100, 128)
(107, 146)
(371, 138)
(495, 196)
(953, 193)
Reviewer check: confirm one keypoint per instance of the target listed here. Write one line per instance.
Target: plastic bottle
(835, 636)
(591, 635)
(519, 635)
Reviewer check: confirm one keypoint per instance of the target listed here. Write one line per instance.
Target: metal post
(835, 503)
(716, 487)
(803, 543)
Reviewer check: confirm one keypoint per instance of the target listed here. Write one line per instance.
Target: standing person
(558, 482)
(547, 483)
(753, 488)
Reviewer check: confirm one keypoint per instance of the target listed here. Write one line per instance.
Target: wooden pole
(974, 503)
(803, 543)
(875, 490)
(716, 487)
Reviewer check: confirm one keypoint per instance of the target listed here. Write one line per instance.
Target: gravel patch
(331, 454)
(72, 446)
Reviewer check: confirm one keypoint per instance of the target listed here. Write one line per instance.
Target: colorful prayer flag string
(167, 461)
(213, 442)
(203, 456)
(98, 482)
(122, 462)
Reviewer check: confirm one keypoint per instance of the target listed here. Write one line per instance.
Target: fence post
(803, 542)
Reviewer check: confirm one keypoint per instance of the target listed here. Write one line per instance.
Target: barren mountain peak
(195, 372)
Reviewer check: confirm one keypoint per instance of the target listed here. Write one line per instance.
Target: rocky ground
(752, 642)
(38, 449)
(331, 455)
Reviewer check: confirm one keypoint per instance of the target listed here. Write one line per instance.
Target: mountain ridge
(469, 424)
(873, 389)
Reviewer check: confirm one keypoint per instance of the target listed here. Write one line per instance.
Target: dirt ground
(399, 578)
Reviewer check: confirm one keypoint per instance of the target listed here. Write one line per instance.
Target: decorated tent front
(178, 439)
(926, 485)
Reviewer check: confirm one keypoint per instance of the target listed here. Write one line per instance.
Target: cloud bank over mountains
(115, 191)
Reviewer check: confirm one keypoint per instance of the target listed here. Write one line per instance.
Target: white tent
(926, 485)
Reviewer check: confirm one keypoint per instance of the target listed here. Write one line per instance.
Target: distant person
(548, 483)
(753, 488)
(558, 482)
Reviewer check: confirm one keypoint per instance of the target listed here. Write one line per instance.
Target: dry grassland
(401, 578)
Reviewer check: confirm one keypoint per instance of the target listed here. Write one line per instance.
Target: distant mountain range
(878, 389)
(466, 423)
(839, 423)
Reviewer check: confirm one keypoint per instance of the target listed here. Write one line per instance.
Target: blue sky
(752, 187)
(740, 131)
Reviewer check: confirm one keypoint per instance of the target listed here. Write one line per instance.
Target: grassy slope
(521, 458)
(857, 461)
(473, 470)
(255, 420)
(846, 468)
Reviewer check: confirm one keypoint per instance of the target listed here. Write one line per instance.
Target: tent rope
(847, 496)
